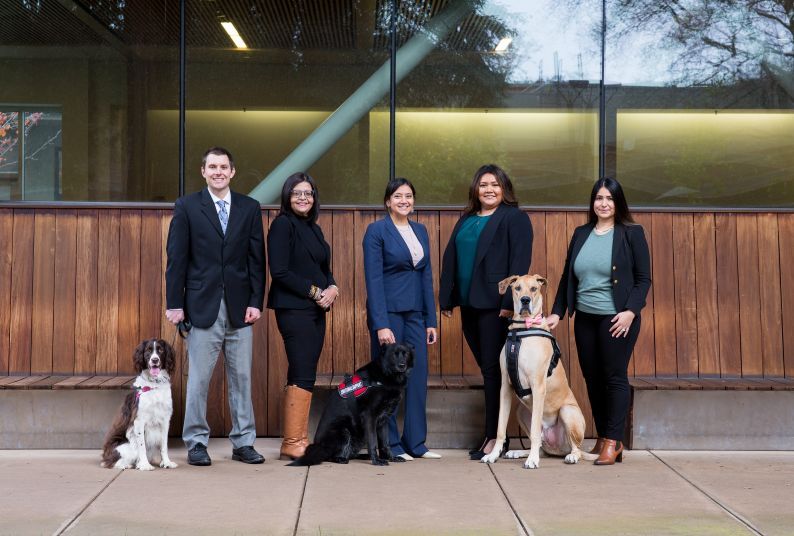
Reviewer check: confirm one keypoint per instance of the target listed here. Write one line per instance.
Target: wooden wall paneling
(6, 255)
(749, 295)
(664, 295)
(556, 251)
(728, 295)
(64, 302)
(151, 302)
(129, 293)
(430, 220)
(276, 367)
(706, 291)
(343, 253)
(361, 220)
(86, 292)
(21, 292)
(686, 329)
(786, 242)
(451, 335)
(43, 292)
(769, 269)
(259, 358)
(326, 363)
(643, 362)
(538, 266)
(108, 292)
(573, 369)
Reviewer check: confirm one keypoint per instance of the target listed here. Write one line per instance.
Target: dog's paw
(380, 461)
(572, 458)
(515, 454)
(493, 457)
(533, 461)
(397, 459)
(168, 465)
(340, 460)
(145, 467)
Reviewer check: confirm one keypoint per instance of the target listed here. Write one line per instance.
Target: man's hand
(252, 314)
(175, 316)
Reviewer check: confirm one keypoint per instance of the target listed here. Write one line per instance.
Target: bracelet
(314, 292)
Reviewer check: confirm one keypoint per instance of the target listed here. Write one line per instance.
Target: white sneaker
(430, 455)
(405, 456)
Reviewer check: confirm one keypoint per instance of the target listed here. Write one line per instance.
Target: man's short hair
(217, 151)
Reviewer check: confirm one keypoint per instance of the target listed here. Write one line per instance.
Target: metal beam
(96, 26)
(362, 100)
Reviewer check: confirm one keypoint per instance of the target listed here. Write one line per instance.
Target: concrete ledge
(713, 420)
(44, 419)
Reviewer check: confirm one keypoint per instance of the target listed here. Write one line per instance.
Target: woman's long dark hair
(622, 212)
(286, 195)
(508, 197)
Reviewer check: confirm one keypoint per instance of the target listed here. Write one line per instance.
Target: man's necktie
(223, 215)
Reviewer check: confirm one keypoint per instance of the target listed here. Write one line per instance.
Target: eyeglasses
(297, 194)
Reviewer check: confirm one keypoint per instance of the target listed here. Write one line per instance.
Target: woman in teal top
(492, 241)
(604, 283)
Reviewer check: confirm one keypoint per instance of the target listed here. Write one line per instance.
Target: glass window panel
(266, 103)
(514, 83)
(92, 70)
(699, 102)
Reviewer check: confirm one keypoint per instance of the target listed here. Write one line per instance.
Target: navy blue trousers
(409, 328)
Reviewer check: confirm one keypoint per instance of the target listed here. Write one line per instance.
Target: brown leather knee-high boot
(295, 425)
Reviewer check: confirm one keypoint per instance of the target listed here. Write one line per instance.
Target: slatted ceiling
(49, 23)
(149, 22)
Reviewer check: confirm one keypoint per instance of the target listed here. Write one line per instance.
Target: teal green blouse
(466, 247)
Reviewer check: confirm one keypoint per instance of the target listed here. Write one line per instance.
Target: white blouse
(414, 246)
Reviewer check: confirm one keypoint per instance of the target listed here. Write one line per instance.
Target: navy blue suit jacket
(394, 284)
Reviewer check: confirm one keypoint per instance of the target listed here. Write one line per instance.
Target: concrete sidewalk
(655, 493)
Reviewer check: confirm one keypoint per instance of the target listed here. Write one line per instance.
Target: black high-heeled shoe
(477, 455)
(480, 448)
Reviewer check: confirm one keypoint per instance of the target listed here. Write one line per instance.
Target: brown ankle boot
(611, 452)
(295, 425)
(599, 444)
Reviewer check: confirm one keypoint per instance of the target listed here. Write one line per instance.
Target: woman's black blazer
(299, 257)
(631, 270)
(504, 249)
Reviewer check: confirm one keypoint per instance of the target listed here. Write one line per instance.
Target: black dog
(358, 413)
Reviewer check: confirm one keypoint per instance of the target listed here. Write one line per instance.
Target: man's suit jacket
(631, 270)
(204, 264)
(503, 249)
(394, 284)
(299, 258)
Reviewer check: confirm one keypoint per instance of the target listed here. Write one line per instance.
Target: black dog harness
(513, 346)
(355, 385)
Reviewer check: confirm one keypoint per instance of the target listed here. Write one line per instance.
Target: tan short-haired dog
(550, 416)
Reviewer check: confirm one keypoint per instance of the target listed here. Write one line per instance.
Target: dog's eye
(518, 288)
(533, 289)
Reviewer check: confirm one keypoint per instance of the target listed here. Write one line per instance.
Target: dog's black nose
(402, 367)
(524, 300)
(155, 360)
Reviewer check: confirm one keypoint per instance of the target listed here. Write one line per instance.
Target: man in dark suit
(215, 277)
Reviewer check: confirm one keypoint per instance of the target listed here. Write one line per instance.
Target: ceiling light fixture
(504, 43)
(235, 36)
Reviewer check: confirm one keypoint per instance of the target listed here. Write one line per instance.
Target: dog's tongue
(154, 371)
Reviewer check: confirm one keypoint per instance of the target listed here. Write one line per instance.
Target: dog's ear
(169, 356)
(504, 283)
(540, 279)
(139, 357)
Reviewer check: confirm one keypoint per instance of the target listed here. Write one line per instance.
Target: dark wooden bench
(456, 382)
(66, 382)
(706, 384)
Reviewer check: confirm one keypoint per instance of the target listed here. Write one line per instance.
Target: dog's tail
(589, 457)
(315, 455)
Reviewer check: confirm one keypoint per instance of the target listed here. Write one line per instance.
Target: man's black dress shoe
(198, 455)
(247, 455)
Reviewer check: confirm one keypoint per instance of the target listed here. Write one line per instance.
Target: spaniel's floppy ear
(504, 283)
(169, 356)
(139, 357)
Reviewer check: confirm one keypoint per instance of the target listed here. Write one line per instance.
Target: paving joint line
(735, 515)
(517, 517)
(71, 523)
(300, 505)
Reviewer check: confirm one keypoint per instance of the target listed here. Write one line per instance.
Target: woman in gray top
(604, 283)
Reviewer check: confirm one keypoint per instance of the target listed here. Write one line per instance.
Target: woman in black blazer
(301, 291)
(604, 283)
(491, 241)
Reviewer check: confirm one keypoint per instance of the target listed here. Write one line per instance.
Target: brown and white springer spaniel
(139, 433)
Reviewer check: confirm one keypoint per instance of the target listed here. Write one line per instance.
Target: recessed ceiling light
(235, 36)
(504, 43)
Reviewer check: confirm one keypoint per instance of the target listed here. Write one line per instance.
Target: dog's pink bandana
(354, 385)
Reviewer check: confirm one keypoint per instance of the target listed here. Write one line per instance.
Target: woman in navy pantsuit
(400, 306)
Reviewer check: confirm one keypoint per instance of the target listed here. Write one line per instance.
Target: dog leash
(182, 328)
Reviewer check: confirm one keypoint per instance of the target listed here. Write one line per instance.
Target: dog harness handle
(512, 348)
